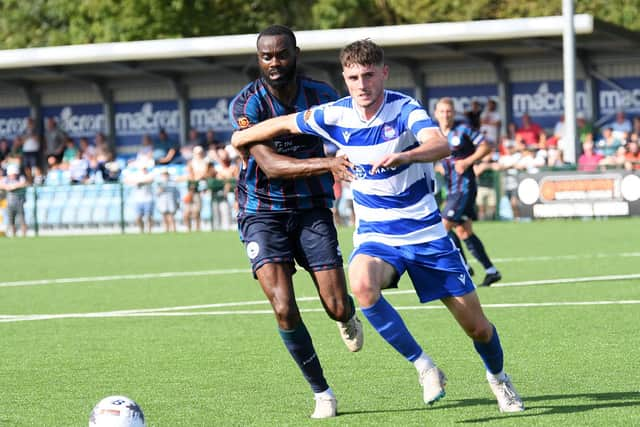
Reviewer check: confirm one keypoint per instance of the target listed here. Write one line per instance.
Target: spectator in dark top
(168, 147)
(15, 185)
(55, 139)
(210, 139)
(473, 115)
(103, 157)
(5, 150)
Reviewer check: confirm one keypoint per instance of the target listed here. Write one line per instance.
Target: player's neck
(285, 94)
(445, 130)
(370, 111)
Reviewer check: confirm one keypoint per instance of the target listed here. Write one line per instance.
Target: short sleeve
(416, 118)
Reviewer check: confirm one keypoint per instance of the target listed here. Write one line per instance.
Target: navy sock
(386, 320)
(491, 353)
(298, 342)
(476, 247)
(353, 306)
(456, 241)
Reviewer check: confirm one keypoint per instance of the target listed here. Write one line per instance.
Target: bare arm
(463, 164)
(433, 146)
(276, 165)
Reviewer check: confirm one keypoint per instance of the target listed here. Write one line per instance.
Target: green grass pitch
(177, 323)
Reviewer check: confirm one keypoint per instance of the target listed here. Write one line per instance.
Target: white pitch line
(569, 280)
(158, 311)
(170, 274)
(311, 310)
(565, 257)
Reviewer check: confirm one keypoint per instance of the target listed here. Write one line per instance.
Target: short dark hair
(361, 52)
(278, 30)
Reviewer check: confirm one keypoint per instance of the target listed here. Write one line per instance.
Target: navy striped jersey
(255, 191)
(463, 142)
(395, 206)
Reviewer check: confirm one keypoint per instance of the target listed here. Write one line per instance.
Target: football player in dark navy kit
(467, 146)
(285, 197)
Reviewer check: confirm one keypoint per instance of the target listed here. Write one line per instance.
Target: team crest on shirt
(243, 122)
(388, 132)
(455, 140)
(253, 249)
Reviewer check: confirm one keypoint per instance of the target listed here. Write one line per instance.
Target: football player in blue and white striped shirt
(392, 141)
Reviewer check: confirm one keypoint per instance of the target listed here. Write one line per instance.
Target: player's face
(277, 60)
(444, 114)
(366, 84)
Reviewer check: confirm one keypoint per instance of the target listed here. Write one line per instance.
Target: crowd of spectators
(526, 147)
(203, 163)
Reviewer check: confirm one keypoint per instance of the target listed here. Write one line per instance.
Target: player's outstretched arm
(276, 165)
(433, 146)
(265, 131)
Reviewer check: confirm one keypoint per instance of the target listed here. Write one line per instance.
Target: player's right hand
(342, 168)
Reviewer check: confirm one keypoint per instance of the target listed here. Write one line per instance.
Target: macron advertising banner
(211, 114)
(13, 122)
(462, 96)
(133, 120)
(82, 120)
(626, 98)
(544, 101)
(579, 194)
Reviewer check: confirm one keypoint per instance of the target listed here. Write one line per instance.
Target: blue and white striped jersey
(396, 205)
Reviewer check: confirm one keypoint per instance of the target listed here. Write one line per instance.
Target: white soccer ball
(116, 411)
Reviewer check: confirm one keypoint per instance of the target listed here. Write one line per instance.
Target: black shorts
(308, 237)
(460, 207)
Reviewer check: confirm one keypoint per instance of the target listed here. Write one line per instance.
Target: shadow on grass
(600, 401)
(546, 407)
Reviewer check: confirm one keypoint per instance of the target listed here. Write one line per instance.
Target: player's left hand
(237, 140)
(389, 161)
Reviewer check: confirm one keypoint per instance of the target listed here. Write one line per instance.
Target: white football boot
(326, 407)
(432, 381)
(508, 398)
(351, 333)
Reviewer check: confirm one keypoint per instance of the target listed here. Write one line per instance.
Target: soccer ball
(116, 411)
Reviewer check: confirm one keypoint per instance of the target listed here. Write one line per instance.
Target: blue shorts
(308, 237)
(436, 268)
(144, 208)
(460, 207)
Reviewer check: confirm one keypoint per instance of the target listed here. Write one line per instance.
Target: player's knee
(480, 331)
(364, 292)
(286, 313)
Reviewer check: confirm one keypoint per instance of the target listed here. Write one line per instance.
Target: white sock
(496, 378)
(423, 362)
(327, 394)
(492, 270)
